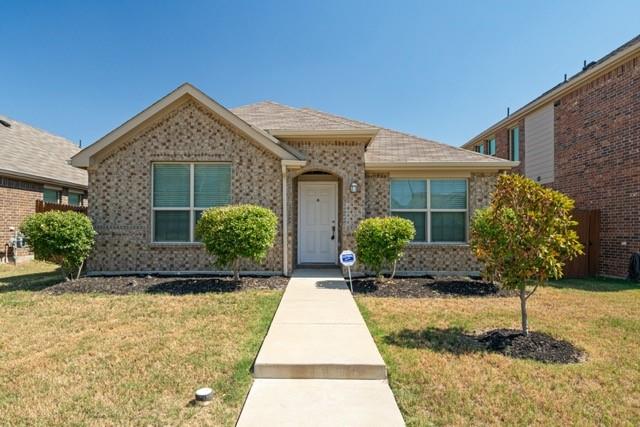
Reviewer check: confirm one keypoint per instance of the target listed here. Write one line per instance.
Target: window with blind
(50, 195)
(437, 207)
(514, 144)
(75, 199)
(491, 144)
(181, 192)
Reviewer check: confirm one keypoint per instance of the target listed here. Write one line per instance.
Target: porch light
(354, 187)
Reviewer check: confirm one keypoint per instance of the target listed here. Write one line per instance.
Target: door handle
(333, 232)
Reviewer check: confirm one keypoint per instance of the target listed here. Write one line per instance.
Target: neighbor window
(51, 195)
(75, 199)
(181, 192)
(437, 207)
(491, 143)
(480, 148)
(514, 144)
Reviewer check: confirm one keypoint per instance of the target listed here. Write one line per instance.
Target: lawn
(79, 359)
(438, 383)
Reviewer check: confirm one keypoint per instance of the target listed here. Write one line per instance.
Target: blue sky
(442, 70)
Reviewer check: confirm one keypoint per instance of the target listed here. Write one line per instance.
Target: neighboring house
(582, 138)
(151, 178)
(34, 165)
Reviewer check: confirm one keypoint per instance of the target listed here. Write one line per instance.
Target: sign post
(348, 258)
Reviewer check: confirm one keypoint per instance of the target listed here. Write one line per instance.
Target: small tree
(380, 242)
(65, 238)
(231, 233)
(525, 236)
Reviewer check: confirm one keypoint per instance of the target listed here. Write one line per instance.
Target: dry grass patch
(443, 383)
(80, 359)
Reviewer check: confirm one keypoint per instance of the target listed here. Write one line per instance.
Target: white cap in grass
(204, 395)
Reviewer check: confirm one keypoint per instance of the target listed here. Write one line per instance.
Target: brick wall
(17, 201)
(597, 158)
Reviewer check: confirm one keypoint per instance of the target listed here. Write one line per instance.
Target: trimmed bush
(380, 241)
(231, 233)
(65, 238)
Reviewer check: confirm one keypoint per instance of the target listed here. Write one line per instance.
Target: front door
(318, 222)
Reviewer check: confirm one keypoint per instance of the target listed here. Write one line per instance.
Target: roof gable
(269, 142)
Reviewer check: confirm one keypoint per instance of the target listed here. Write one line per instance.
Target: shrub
(380, 241)
(525, 236)
(65, 238)
(231, 233)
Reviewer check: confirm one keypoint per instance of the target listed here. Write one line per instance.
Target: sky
(442, 70)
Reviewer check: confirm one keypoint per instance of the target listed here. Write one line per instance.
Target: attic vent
(5, 123)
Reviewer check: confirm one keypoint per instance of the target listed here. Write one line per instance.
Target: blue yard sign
(348, 258)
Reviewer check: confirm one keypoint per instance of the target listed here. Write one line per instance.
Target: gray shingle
(29, 151)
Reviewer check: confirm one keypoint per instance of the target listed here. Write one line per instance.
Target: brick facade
(597, 157)
(17, 202)
(120, 197)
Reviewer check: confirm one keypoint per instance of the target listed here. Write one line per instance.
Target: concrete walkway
(318, 364)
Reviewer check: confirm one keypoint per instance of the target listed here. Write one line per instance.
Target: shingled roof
(386, 147)
(37, 155)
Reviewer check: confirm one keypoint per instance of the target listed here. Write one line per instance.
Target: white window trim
(427, 211)
(191, 209)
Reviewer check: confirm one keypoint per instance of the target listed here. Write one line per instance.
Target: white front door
(318, 222)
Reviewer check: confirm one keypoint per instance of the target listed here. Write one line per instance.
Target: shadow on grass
(32, 282)
(596, 284)
(450, 340)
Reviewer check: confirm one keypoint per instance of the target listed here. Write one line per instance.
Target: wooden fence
(588, 230)
(42, 206)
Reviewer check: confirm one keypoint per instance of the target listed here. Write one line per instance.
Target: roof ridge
(333, 117)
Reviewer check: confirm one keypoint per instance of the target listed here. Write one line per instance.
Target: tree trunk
(523, 309)
(393, 272)
(236, 270)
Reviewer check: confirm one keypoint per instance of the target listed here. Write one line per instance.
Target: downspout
(285, 223)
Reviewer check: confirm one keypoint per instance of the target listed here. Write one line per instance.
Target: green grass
(81, 359)
(446, 385)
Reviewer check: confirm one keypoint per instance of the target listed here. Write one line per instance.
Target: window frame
(511, 140)
(491, 146)
(80, 195)
(428, 210)
(192, 209)
(58, 191)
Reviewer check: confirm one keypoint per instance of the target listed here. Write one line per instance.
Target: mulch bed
(122, 285)
(428, 287)
(537, 346)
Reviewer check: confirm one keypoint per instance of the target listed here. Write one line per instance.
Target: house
(34, 166)
(582, 137)
(151, 178)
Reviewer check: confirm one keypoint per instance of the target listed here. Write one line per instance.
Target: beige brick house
(321, 174)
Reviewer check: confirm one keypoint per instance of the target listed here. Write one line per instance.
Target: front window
(514, 144)
(181, 192)
(75, 199)
(437, 207)
(50, 195)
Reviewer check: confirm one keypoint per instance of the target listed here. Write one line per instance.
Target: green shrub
(525, 236)
(65, 238)
(380, 241)
(231, 233)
